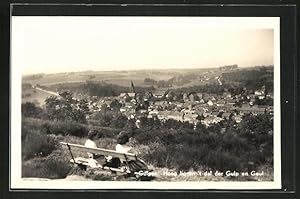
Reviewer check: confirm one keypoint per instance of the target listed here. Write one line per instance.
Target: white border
(16, 182)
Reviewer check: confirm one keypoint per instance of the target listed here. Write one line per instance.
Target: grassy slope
(36, 96)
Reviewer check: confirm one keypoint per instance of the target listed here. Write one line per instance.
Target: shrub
(222, 161)
(104, 118)
(104, 132)
(53, 166)
(29, 109)
(185, 149)
(179, 148)
(113, 119)
(158, 157)
(106, 143)
(65, 128)
(119, 121)
(37, 144)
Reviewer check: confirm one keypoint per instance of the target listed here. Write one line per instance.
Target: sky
(71, 44)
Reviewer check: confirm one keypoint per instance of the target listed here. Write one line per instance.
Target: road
(46, 91)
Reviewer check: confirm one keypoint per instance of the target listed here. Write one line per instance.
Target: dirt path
(46, 91)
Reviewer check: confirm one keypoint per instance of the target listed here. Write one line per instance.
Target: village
(194, 108)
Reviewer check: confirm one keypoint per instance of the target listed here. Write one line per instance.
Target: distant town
(192, 107)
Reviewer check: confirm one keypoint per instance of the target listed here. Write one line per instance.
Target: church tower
(132, 90)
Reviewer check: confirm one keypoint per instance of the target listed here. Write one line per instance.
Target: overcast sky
(67, 44)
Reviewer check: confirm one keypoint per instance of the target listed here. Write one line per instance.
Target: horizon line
(152, 69)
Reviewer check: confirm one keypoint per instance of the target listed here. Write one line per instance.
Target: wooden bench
(101, 151)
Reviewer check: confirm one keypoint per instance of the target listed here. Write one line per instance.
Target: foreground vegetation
(243, 149)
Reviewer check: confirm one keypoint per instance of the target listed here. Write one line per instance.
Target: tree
(151, 123)
(172, 124)
(29, 109)
(118, 121)
(215, 128)
(104, 118)
(260, 124)
(201, 127)
(66, 107)
(200, 117)
(149, 81)
(130, 125)
(115, 105)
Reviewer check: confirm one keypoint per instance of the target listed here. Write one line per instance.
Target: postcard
(145, 103)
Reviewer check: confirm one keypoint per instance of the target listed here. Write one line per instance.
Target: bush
(29, 109)
(184, 149)
(54, 166)
(222, 161)
(65, 128)
(36, 144)
(104, 132)
(113, 119)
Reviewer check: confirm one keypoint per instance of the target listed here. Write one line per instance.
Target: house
(193, 97)
(185, 97)
(192, 118)
(176, 116)
(202, 101)
(226, 115)
(187, 105)
(215, 114)
(252, 109)
(207, 114)
(153, 113)
(226, 95)
(258, 92)
(159, 96)
(125, 97)
(133, 101)
(261, 92)
(230, 101)
(211, 120)
(210, 103)
(237, 118)
(220, 103)
(165, 115)
(188, 111)
(252, 101)
(123, 109)
(132, 95)
(200, 95)
(160, 103)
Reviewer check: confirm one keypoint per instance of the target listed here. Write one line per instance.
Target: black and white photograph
(104, 102)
